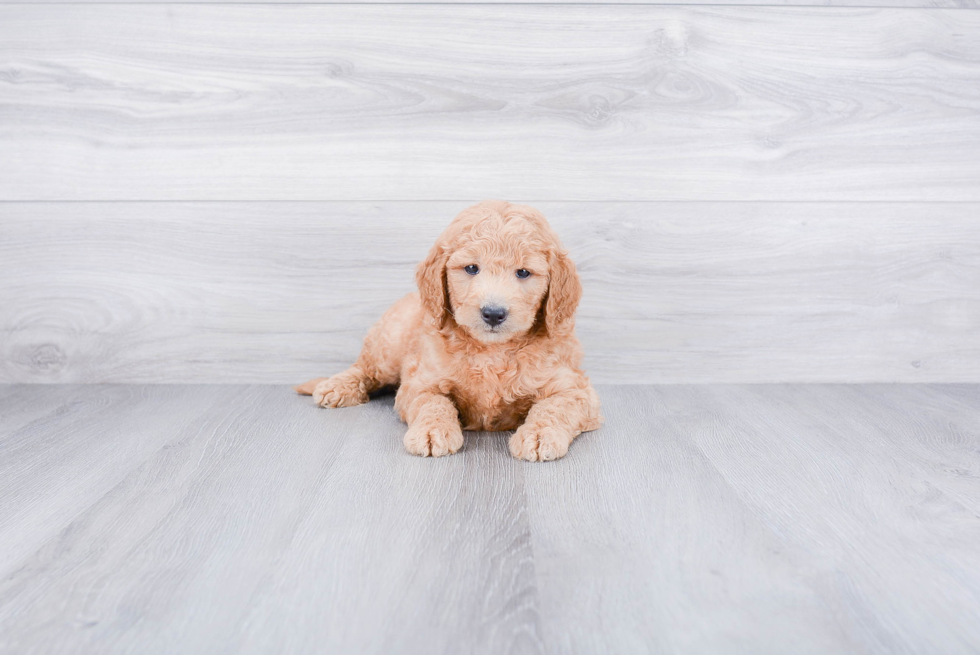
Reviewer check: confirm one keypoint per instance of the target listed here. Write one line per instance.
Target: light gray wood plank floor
(717, 518)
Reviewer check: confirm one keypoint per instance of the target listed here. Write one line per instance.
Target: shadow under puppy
(488, 343)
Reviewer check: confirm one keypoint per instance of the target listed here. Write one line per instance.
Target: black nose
(493, 315)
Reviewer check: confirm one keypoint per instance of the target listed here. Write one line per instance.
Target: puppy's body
(497, 352)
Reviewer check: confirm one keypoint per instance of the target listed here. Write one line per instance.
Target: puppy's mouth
(492, 334)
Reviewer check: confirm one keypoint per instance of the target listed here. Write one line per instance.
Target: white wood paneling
(460, 102)
(674, 292)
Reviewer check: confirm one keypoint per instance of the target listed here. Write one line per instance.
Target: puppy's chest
(492, 395)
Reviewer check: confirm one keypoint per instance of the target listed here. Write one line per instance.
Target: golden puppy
(489, 340)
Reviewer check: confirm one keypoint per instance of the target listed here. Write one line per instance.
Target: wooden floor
(733, 519)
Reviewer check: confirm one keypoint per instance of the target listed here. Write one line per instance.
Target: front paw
(437, 439)
(342, 390)
(540, 443)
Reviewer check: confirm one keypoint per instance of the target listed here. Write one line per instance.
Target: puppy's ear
(431, 278)
(564, 293)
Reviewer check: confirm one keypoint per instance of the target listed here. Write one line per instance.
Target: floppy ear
(431, 278)
(564, 292)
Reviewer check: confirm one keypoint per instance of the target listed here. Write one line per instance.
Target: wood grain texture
(764, 519)
(460, 102)
(674, 292)
(96, 435)
(816, 476)
(713, 518)
(266, 515)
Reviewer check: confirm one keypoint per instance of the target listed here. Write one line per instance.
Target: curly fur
(454, 371)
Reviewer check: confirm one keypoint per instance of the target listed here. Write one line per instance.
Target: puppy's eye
(523, 273)
(472, 269)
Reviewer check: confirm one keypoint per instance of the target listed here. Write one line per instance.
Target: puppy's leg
(306, 389)
(433, 425)
(378, 364)
(554, 421)
(342, 390)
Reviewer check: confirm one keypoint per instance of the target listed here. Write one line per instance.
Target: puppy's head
(497, 272)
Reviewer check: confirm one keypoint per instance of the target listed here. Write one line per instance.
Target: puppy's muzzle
(493, 315)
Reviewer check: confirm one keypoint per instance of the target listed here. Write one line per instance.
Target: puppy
(487, 343)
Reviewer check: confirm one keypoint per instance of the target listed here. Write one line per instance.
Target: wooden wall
(234, 192)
